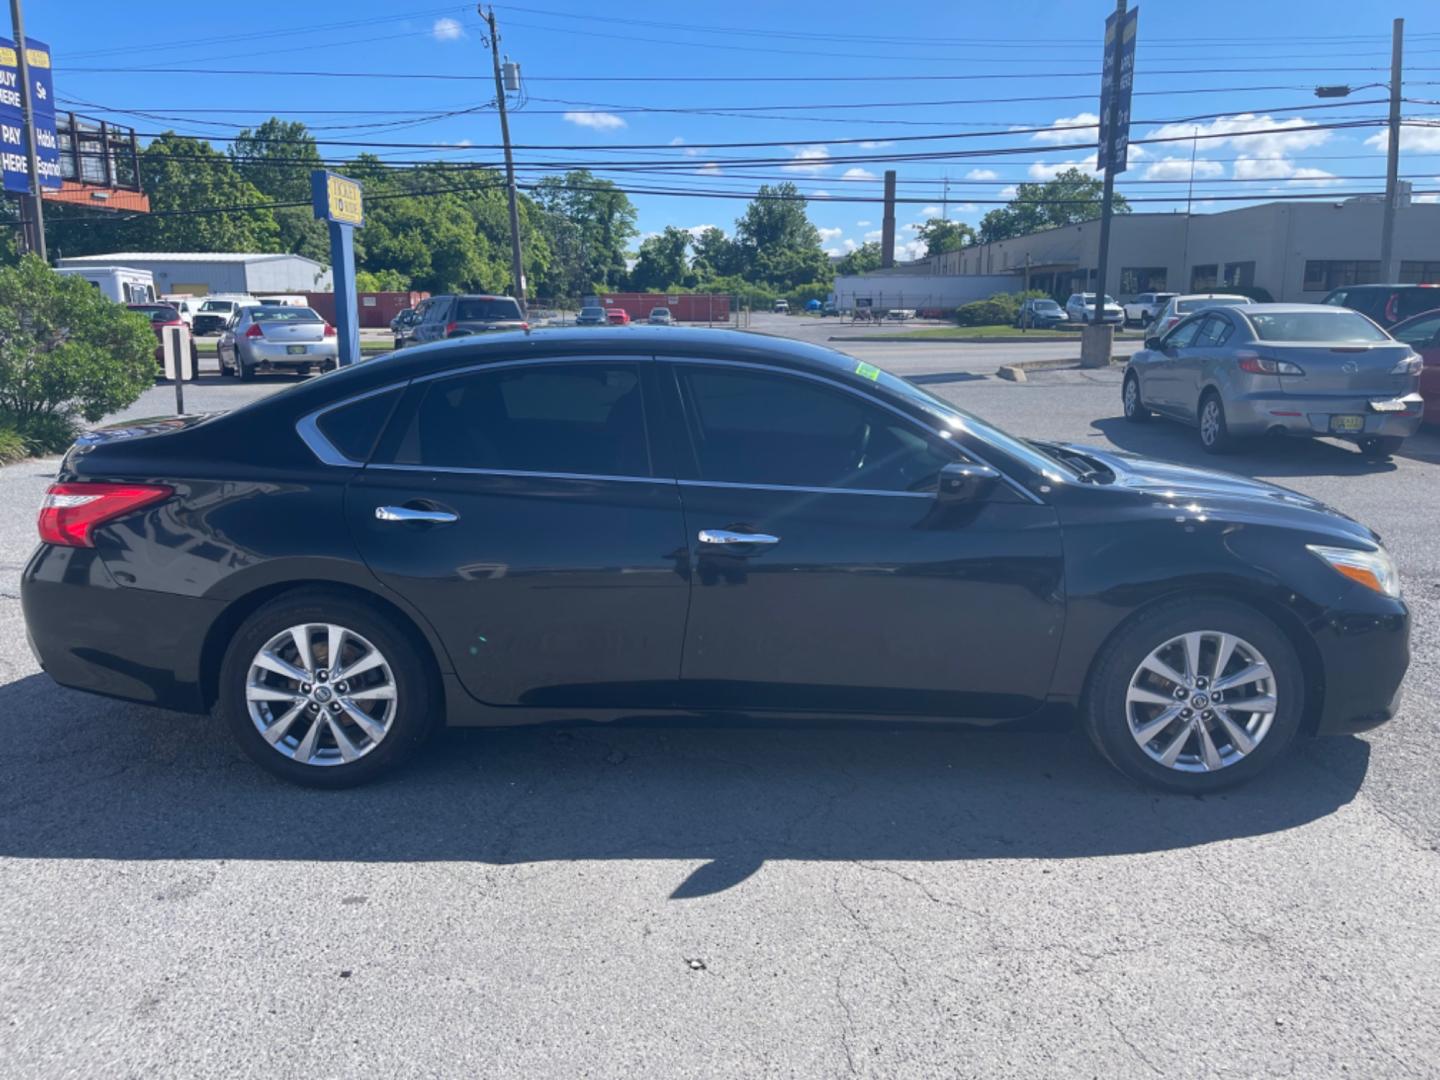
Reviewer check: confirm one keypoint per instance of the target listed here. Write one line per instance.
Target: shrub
(66, 352)
(12, 446)
(1000, 309)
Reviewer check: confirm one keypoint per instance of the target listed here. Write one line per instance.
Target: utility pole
(945, 200)
(1389, 271)
(517, 265)
(887, 223)
(1108, 199)
(34, 231)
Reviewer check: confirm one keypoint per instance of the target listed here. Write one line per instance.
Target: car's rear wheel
(1380, 447)
(1215, 434)
(1195, 695)
(1135, 409)
(322, 690)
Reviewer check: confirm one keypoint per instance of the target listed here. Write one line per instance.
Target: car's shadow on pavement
(86, 778)
(1272, 456)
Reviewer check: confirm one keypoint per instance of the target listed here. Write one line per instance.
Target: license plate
(295, 350)
(1347, 423)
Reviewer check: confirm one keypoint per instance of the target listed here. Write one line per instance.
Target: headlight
(1373, 569)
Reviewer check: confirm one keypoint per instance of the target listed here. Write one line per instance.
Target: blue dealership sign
(12, 118)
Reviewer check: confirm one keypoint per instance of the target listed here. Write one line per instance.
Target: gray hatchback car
(1293, 369)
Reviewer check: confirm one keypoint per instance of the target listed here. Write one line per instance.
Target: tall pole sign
(1116, 80)
(29, 146)
(338, 202)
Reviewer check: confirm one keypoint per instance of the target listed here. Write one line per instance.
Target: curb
(1016, 372)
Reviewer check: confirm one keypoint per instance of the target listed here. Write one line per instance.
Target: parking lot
(685, 901)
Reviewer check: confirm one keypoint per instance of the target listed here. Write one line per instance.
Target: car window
(284, 314)
(479, 309)
(1412, 302)
(1214, 329)
(750, 427)
(1336, 298)
(1315, 326)
(1420, 333)
(1183, 335)
(352, 429)
(561, 418)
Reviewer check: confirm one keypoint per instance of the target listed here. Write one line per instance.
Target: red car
(1422, 333)
(617, 316)
(161, 316)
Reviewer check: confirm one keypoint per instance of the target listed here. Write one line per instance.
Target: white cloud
(858, 173)
(1413, 137)
(1041, 170)
(849, 245)
(1178, 168)
(599, 121)
(688, 151)
(911, 226)
(447, 30)
(906, 250)
(872, 145)
(874, 234)
(696, 230)
(982, 174)
(826, 235)
(862, 224)
(1247, 168)
(966, 208)
(819, 195)
(930, 211)
(1276, 138)
(834, 252)
(1009, 191)
(809, 159)
(710, 168)
(1075, 128)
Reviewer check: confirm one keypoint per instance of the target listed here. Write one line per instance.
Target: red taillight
(525, 326)
(329, 330)
(71, 512)
(255, 331)
(450, 327)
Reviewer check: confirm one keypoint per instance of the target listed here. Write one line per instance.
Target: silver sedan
(277, 338)
(1292, 369)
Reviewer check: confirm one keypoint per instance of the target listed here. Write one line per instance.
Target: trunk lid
(1355, 368)
(288, 331)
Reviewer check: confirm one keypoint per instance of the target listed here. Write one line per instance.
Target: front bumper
(1267, 411)
(208, 324)
(1364, 647)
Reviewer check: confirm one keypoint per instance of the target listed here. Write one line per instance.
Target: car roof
(1387, 288)
(1296, 309)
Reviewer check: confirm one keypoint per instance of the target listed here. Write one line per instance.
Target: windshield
(591, 312)
(285, 314)
(1323, 325)
(1046, 305)
(218, 305)
(952, 416)
(486, 309)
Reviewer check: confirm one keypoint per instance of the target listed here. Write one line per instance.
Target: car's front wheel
(323, 690)
(1195, 695)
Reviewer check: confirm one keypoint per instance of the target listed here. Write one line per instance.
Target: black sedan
(668, 523)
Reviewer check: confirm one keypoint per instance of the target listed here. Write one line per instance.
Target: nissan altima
(673, 523)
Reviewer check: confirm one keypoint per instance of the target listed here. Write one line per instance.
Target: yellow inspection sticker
(867, 371)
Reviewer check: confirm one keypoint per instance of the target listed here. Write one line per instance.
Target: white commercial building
(200, 273)
(1297, 251)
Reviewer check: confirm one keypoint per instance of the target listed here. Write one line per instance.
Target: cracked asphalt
(681, 901)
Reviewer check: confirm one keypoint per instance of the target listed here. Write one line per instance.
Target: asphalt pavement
(678, 902)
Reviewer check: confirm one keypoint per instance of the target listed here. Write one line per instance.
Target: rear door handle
(411, 513)
(725, 536)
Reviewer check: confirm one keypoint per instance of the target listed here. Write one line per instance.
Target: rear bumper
(1259, 413)
(82, 626)
(1364, 646)
(278, 355)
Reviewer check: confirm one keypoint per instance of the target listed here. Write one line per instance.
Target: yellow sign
(9, 57)
(346, 204)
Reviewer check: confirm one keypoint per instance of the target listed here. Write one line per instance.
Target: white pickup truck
(1141, 311)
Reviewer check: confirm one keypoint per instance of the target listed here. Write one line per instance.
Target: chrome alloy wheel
(1132, 396)
(321, 694)
(1210, 422)
(1201, 701)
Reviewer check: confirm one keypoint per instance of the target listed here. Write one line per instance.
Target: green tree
(66, 351)
(860, 261)
(1073, 196)
(715, 255)
(381, 281)
(662, 261)
(941, 235)
(278, 157)
(603, 221)
(776, 242)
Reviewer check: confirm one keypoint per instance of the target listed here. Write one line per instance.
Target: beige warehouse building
(1298, 251)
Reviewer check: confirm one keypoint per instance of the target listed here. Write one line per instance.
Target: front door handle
(411, 513)
(726, 536)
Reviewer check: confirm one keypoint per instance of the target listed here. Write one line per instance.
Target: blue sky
(674, 78)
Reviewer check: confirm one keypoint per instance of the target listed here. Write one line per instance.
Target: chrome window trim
(308, 428)
(856, 392)
(809, 490)
(493, 365)
(466, 470)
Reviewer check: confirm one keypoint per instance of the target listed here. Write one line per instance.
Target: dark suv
(461, 316)
(1386, 304)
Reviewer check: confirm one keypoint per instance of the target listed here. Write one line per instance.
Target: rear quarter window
(353, 429)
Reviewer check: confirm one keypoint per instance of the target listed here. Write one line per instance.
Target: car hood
(1193, 491)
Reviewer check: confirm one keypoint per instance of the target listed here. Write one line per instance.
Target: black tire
(1215, 437)
(243, 371)
(414, 705)
(1135, 410)
(1380, 447)
(1105, 716)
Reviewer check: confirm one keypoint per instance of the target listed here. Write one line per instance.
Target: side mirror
(961, 482)
(1153, 343)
